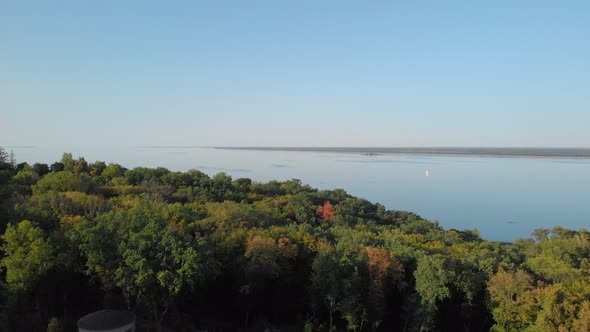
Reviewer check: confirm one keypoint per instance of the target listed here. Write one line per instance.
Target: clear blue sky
(295, 73)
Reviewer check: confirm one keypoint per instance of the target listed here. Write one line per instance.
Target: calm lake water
(504, 198)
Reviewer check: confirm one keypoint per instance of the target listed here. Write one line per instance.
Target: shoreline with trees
(187, 251)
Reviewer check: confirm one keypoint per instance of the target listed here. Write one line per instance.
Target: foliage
(432, 279)
(326, 212)
(28, 255)
(54, 325)
(64, 181)
(183, 248)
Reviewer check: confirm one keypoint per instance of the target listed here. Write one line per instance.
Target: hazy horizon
(309, 146)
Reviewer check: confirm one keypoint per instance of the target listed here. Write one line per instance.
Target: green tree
(6, 188)
(64, 181)
(326, 281)
(111, 172)
(513, 301)
(432, 279)
(28, 258)
(57, 167)
(28, 255)
(96, 168)
(67, 160)
(137, 251)
(582, 321)
(40, 169)
(26, 177)
(80, 166)
(552, 268)
(4, 163)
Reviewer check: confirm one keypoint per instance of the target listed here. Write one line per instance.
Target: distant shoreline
(582, 153)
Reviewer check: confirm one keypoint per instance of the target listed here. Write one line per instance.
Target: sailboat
(427, 173)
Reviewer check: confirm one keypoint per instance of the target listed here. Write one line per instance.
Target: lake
(504, 198)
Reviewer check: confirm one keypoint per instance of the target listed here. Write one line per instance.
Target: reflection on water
(504, 198)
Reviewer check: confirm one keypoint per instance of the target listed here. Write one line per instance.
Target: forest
(186, 251)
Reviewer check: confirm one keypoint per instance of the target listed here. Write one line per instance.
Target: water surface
(504, 198)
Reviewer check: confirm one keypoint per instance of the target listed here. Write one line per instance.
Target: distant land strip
(19, 146)
(451, 151)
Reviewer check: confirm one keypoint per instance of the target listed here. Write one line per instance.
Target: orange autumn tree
(326, 212)
(385, 272)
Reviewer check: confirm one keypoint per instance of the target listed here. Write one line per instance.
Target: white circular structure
(108, 321)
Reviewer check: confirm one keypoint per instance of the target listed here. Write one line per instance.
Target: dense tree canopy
(187, 251)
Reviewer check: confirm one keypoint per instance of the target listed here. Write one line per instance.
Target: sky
(295, 73)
